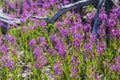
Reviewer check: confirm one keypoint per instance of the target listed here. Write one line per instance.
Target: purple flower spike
(87, 27)
(61, 48)
(11, 39)
(103, 15)
(51, 51)
(53, 37)
(113, 67)
(57, 69)
(10, 63)
(42, 41)
(93, 37)
(111, 22)
(40, 62)
(4, 48)
(24, 28)
(101, 46)
(37, 51)
(74, 73)
(88, 46)
(32, 42)
(64, 32)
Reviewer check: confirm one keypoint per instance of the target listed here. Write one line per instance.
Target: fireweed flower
(25, 15)
(75, 61)
(76, 27)
(58, 6)
(32, 43)
(5, 55)
(74, 67)
(51, 51)
(113, 33)
(52, 2)
(78, 24)
(1, 41)
(118, 63)
(113, 67)
(36, 23)
(58, 24)
(74, 72)
(4, 48)
(97, 77)
(101, 46)
(67, 22)
(10, 4)
(78, 36)
(31, 27)
(61, 48)
(26, 5)
(43, 24)
(118, 32)
(11, 39)
(86, 27)
(113, 15)
(57, 68)
(42, 41)
(116, 66)
(76, 42)
(117, 11)
(18, 10)
(88, 46)
(24, 28)
(89, 17)
(8, 63)
(69, 15)
(118, 59)
(46, 5)
(103, 15)
(37, 51)
(34, 5)
(65, 2)
(73, 30)
(53, 37)
(10, 26)
(15, 51)
(1, 23)
(92, 37)
(64, 32)
(111, 22)
(77, 39)
(101, 31)
(40, 62)
(8, 36)
(42, 12)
